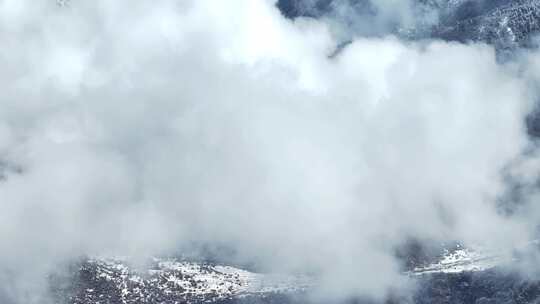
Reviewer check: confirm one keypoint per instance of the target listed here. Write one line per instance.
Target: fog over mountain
(189, 151)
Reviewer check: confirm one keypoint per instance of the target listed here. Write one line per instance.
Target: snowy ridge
(475, 259)
(462, 260)
(173, 281)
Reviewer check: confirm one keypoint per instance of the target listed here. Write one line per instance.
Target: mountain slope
(107, 280)
(503, 23)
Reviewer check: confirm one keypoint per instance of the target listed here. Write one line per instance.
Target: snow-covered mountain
(503, 23)
(462, 260)
(459, 275)
(168, 280)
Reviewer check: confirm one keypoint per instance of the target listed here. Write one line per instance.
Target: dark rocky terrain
(494, 286)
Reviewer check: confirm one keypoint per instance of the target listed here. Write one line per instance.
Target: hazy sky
(133, 127)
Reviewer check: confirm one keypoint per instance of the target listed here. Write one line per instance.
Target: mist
(136, 127)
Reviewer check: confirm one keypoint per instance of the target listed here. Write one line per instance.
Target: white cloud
(140, 126)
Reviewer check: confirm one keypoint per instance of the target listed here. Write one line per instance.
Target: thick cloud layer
(134, 127)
